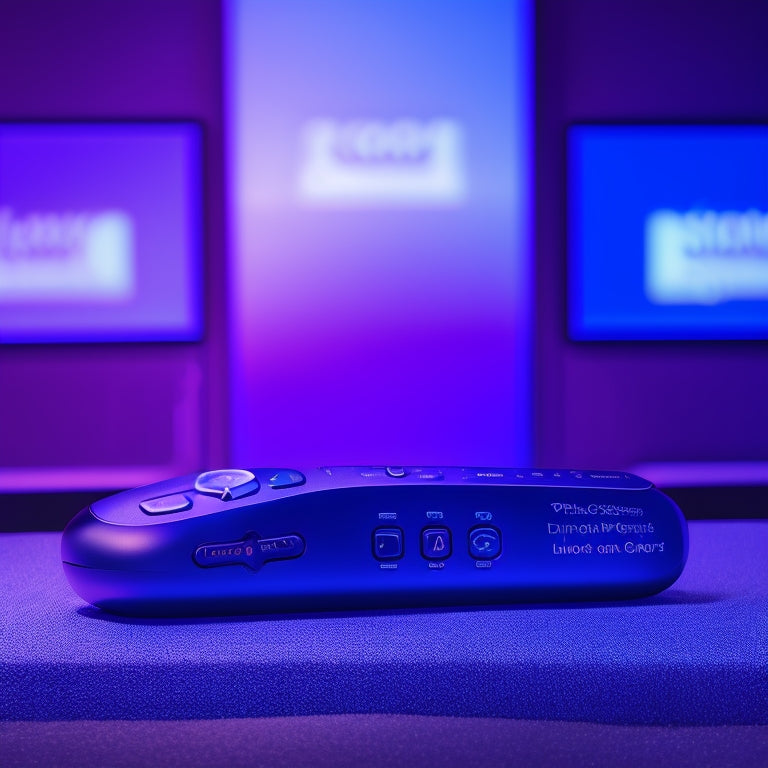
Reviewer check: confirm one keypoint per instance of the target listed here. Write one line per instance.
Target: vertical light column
(379, 162)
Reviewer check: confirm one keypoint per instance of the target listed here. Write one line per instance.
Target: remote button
(227, 553)
(435, 543)
(164, 505)
(486, 475)
(429, 474)
(227, 484)
(616, 477)
(286, 478)
(387, 543)
(250, 551)
(281, 547)
(484, 543)
(372, 473)
(396, 471)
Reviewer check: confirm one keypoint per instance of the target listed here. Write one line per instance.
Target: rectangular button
(387, 543)
(436, 543)
(281, 548)
(429, 474)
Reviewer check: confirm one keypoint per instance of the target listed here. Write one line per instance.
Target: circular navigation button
(396, 471)
(484, 543)
(227, 484)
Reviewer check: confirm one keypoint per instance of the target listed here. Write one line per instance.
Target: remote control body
(282, 540)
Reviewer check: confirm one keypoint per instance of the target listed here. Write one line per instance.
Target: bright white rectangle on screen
(372, 162)
(69, 257)
(706, 257)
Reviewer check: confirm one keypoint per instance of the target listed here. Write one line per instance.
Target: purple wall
(656, 60)
(113, 415)
(599, 404)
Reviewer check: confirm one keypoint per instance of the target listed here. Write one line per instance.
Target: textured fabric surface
(376, 740)
(696, 654)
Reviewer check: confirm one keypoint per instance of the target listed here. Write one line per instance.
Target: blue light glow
(668, 232)
(379, 160)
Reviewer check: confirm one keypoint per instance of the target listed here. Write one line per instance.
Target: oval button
(164, 505)
(286, 478)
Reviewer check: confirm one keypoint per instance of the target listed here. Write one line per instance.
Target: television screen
(100, 232)
(668, 232)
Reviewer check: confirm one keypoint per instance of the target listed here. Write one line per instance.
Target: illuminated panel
(380, 190)
(99, 232)
(403, 162)
(668, 232)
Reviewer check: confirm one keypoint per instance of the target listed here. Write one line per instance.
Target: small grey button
(164, 505)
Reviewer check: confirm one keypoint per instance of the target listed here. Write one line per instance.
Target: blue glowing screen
(99, 232)
(668, 232)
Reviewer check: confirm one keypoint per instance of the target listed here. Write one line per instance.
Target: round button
(484, 543)
(396, 471)
(227, 484)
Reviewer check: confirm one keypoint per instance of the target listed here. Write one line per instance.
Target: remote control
(242, 541)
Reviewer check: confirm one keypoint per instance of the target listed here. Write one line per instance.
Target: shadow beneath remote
(667, 598)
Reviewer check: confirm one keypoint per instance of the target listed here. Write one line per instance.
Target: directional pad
(227, 484)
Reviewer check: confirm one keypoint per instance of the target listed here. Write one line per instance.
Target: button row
(562, 478)
(224, 484)
(554, 477)
(427, 474)
(483, 542)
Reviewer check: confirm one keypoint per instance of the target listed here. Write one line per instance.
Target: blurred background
(326, 232)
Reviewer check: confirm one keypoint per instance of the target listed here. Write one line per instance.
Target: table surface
(697, 654)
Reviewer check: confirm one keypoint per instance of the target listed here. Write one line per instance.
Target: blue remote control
(239, 541)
